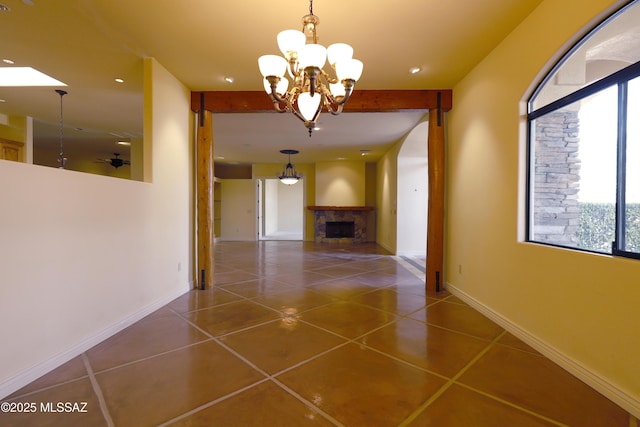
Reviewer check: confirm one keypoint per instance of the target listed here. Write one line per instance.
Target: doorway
(280, 210)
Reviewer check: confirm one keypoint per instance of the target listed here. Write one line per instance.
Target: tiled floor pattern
(298, 334)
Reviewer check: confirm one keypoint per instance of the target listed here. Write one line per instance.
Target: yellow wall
(15, 128)
(340, 183)
(580, 307)
(238, 217)
(387, 199)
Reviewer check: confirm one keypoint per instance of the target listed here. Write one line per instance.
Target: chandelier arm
(293, 67)
(278, 108)
(348, 90)
(333, 107)
(330, 101)
(327, 77)
(276, 99)
(273, 81)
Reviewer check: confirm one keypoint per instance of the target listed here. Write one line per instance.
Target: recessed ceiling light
(229, 79)
(415, 70)
(127, 143)
(119, 80)
(364, 152)
(3, 100)
(8, 61)
(4, 8)
(341, 158)
(26, 76)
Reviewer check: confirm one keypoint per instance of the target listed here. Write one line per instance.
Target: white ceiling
(89, 43)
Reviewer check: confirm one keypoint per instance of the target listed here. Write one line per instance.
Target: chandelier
(312, 88)
(289, 175)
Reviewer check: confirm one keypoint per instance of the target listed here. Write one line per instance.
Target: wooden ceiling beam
(361, 101)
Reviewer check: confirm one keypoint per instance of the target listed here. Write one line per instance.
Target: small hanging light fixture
(61, 159)
(289, 175)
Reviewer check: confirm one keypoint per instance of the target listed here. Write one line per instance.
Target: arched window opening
(584, 143)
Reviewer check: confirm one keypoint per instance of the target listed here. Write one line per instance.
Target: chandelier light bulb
(351, 69)
(312, 55)
(289, 181)
(339, 52)
(290, 42)
(337, 89)
(272, 65)
(308, 105)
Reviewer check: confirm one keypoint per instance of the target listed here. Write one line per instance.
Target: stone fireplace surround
(355, 214)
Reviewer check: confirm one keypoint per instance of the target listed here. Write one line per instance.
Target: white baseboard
(27, 376)
(597, 382)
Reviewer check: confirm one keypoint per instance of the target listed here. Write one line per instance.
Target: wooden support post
(435, 221)
(204, 200)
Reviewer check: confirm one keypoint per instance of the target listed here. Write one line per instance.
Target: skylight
(25, 76)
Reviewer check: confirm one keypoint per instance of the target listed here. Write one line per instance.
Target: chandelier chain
(310, 7)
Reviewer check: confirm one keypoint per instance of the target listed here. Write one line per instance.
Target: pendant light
(61, 159)
(289, 175)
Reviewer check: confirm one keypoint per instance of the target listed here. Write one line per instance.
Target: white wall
(290, 209)
(270, 203)
(413, 192)
(82, 255)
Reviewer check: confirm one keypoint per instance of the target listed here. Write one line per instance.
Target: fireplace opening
(339, 229)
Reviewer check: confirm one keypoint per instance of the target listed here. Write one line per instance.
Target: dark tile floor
(298, 334)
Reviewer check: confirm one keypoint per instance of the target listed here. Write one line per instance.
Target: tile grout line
(420, 409)
(513, 405)
(211, 403)
(405, 362)
(153, 356)
(306, 402)
(98, 391)
(268, 377)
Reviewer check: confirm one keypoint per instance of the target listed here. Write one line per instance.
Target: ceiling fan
(115, 161)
